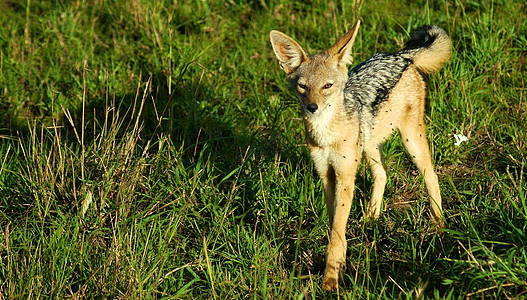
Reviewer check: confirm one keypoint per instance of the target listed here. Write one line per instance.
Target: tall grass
(154, 150)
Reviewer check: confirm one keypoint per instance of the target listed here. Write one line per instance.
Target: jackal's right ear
(289, 53)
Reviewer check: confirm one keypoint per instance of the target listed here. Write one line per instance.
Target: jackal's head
(318, 80)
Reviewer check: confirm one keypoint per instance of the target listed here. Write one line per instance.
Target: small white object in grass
(87, 201)
(459, 138)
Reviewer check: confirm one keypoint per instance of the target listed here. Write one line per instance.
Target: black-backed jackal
(351, 114)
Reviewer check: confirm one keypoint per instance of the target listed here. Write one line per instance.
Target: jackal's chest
(321, 134)
(335, 146)
(330, 132)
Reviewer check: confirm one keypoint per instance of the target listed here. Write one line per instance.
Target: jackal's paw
(370, 217)
(438, 224)
(329, 284)
(373, 212)
(332, 274)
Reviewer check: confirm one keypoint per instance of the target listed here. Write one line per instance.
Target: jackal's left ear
(288, 51)
(342, 48)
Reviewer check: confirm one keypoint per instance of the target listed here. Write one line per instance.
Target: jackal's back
(370, 82)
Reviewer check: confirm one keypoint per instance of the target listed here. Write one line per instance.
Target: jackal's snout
(312, 107)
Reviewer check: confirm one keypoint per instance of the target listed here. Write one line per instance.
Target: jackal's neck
(329, 126)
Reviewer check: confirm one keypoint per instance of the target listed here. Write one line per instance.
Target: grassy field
(152, 149)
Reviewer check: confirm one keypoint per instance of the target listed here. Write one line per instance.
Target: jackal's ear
(342, 48)
(289, 53)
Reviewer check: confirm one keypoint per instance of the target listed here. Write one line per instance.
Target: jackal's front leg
(374, 158)
(328, 180)
(336, 252)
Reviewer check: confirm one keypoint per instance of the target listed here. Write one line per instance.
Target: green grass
(152, 149)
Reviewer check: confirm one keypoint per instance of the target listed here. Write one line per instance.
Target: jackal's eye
(328, 85)
(302, 86)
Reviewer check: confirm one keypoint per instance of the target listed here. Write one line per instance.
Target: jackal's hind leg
(414, 140)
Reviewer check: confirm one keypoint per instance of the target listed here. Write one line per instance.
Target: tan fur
(403, 111)
(337, 140)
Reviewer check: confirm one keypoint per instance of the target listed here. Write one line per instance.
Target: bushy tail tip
(429, 48)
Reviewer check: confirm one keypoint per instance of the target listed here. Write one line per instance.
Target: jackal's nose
(312, 107)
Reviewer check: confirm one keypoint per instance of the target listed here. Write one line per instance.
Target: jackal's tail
(429, 48)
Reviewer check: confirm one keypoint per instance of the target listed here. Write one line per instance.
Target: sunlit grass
(154, 150)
